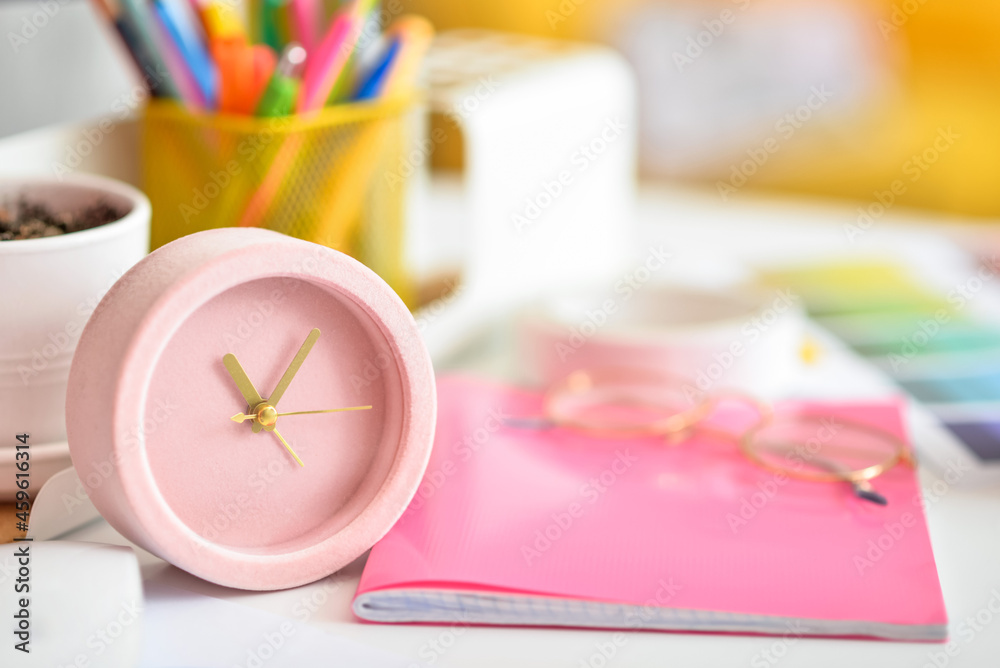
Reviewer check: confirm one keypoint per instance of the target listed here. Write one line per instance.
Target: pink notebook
(551, 527)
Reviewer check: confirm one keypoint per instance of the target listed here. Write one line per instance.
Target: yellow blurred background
(915, 85)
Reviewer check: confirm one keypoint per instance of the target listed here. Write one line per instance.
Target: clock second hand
(287, 447)
(240, 417)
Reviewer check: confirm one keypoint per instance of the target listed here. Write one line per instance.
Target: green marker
(283, 89)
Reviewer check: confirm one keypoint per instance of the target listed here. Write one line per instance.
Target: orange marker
(244, 71)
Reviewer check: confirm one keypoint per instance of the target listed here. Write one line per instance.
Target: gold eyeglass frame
(678, 427)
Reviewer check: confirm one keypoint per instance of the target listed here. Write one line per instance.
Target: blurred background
(716, 78)
(842, 151)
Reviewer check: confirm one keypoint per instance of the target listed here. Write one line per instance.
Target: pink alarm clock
(255, 409)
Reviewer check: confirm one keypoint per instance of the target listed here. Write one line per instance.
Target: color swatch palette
(939, 350)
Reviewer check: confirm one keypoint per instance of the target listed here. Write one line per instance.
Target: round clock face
(266, 403)
(243, 488)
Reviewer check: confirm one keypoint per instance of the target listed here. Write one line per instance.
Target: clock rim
(161, 531)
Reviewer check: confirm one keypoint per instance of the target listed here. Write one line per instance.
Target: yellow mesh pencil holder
(333, 177)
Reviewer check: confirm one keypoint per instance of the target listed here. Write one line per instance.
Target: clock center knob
(267, 415)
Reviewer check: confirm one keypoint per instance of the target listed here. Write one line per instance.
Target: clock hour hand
(293, 368)
(243, 384)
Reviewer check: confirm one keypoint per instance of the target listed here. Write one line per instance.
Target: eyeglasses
(628, 403)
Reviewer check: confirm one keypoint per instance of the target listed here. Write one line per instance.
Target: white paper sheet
(188, 630)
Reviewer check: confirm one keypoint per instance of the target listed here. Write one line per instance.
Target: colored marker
(416, 33)
(133, 22)
(370, 33)
(274, 23)
(327, 63)
(305, 17)
(282, 90)
(371, 83)
(220, 20)
(184, 31)
(187, 90)
(255, 17)
(244, 71)
(395, 73)
(398, 66)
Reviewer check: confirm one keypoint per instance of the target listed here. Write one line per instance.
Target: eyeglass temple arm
(862, 488)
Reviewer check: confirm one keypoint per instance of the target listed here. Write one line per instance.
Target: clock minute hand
(293, 368)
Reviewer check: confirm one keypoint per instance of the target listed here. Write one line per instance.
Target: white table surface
(718, 241)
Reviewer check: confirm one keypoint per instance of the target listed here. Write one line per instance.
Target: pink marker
(325, 65)
(305, 18)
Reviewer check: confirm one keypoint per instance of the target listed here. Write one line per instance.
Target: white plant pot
(49, 288)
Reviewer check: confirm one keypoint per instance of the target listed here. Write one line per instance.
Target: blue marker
(374, 80)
